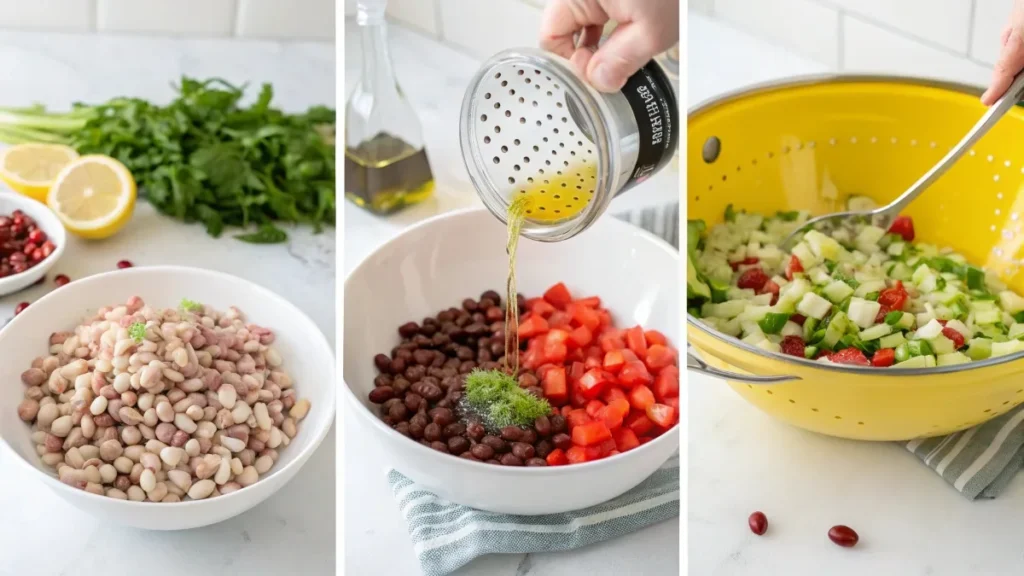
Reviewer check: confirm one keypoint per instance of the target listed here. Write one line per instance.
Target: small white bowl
(47, 222)
(307, 356)
(438, 263)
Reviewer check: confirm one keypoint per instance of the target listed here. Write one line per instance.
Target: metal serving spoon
(884, 216)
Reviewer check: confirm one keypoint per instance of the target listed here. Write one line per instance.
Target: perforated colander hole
(497, 129)
(932, 144)
(483, 117)
(972, 153)
(853, 139)
(995, 178)
(504, 148)
(814, 409)
(873, 140)
(913, 142)
(487, 96)
(497, 160)
(516, 141)
(860, 423)
(508, 114)
(989, 158)
(894, 140)
(831, 141)
(511, 180)
(487, 139)
(838, 417)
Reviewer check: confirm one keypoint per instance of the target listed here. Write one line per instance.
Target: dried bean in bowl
(161, 404)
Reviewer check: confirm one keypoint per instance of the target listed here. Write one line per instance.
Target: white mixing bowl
(440, 262)
(307, 357)
(47, 222)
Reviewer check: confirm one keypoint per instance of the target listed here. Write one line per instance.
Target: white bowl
(440, 262)
(308, 359)
(47, 222)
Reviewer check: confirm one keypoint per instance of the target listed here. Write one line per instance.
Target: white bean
(183, 422)
(202, 489)
(227, 396)
(61, 427)
(248, 476)
(232, 444)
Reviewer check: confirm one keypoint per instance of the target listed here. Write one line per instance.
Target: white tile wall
(422, 15)
(484, 27)
(951, 39)
(279, 19)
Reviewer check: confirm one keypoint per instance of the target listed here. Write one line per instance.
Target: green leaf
(267, 234)
(137, 332)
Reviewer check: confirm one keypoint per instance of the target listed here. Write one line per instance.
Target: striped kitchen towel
(662, 221)
(979, 462)
(447, 536)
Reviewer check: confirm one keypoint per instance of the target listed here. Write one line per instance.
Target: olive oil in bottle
(386, 167)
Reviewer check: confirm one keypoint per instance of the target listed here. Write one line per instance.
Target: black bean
(543, 426)
(494, 314)
(463, 320)
(382, 394)
(403, 428)
(432, 432)
(494, 461)
(423, 357)
(476, 329)
(389, 403)
(451, 383)
(527, 380)
(413, 401)
(494, 442)
(521, 301)
(444, 403)
(544, 447)
(529, 436)
(511, 433)
(382, 380)
(562, 441)
(408, 330)
(476, 431)
(536, 462)
(511, 460)
(403, 353)
(415, 373)
(441, 416)
(415, 431)
(438, 360)
(401, 385)
(398, 412)
(497, 349)
(408, 347)
(522, 450)
(469, 456)
(445, 316)
(439, 446)
(420, 419)
(454, 429)
(558, 423)
(382, 362)
(484, 355)
(486, 303)
(467, 367)
(429, 330)
(397, 366)
(492, 295)
(422, 341)
(482, 451)
(457, 445)
(464, 353)
(469, 305)
(536, 391)
(428, 321)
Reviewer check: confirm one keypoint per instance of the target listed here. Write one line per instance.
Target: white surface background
(293, 532)
(910, 521)
(949, 39)
(284, 19)
(434, 77)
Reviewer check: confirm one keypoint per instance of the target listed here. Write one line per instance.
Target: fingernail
(605, 79)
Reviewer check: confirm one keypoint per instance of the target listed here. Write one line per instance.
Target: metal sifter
(531, 127)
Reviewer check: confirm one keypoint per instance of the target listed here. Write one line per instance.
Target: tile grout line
(437, 17)
(841, 38)
(971, 18)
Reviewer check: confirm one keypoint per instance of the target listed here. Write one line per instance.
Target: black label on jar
(653, 101)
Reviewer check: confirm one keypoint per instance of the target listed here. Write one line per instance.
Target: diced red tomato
(560, 320)
(554, 385)
(824, 354)
(580, 337)
(593, 452)
(903, 226)
(540, 306)
(613, 414)
(590, 433)
(894, 298)
(635, 373)
(593, 382)
(614, 361)
(793, 267)
(641, 397)
(884, 357)
(607, 447)
(956, 337)
(576, 455)
(654, 337)
(576, 371)
(532, 326)
(793, 345)
(577, 417)
(770, 287)
(583, 315)
(558, 295)
(613, 393)
(752, 279)
(593, 407)
(673, 402)
(942, 322)
(645, 439)
(639, 423)
(798, 319)
(850, 356)
(659, 356)
(883, 311)
(625, 439)
(590, 301)
(605, 317)
(636, 341)
(662, 415)
(750, 261)
(612, 340)
(557, 457)
(666, 384)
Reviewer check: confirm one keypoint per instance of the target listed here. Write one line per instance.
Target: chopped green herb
(873, 296)
(498, 397)
(975, 278)
(790, 216)
(137, 332)
(730, 214)
(893, 317)
(190, 305)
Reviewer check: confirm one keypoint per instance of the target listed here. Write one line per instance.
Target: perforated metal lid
(531, 128)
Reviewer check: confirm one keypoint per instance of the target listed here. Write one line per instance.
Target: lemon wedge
(30, 169)
(93, 196)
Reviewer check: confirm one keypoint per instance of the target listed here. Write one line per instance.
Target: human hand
(1011, 56)
(645, 28)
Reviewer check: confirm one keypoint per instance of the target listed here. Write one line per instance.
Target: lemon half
(31, 169)
(94, 196)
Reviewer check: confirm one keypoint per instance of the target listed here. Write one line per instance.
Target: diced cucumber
(906, 322)
(875, 332)
(860, 204)
(863, 312)
(791, 294)
(822, 246)
(942, 345)
(900, 271)
(867, 239)
(728, 309)
(914, 362)
(868, 287)
(1011, 302)
(951, 359)
(837, 291)
(895, 249)
(1006, 348)
(892, 340)
(806, 256)
(769, 346)
(903, 352)
(929, 330)
(810, 352)
(979, 348)
(987, 317)
(792, 329)
(696, 288)
(959, 327)
(810, 326)
(813, 306)
(836, 329)
(919, 347)
(762, 299)
(819, 275)
(1016, 330)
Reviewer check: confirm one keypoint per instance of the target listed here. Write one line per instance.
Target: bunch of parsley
(205, 157)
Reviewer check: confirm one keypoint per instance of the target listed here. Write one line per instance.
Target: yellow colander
(810, 144)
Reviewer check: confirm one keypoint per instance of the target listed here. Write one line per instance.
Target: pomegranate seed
(758, 523)
(29, 248)
(37, 236)
(38, 255)
(843, 536)
(61, 279)
(124, 264)
(20, 308)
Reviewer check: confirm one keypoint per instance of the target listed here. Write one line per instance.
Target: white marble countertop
(434, 78)
(293, 532)
(910, 521)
